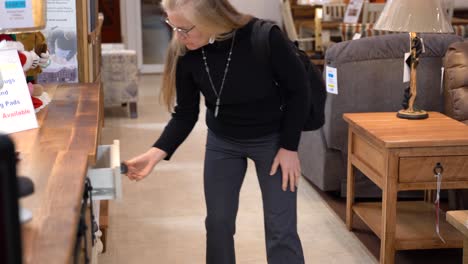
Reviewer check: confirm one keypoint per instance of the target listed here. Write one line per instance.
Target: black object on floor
(10, 231)
(25, 186)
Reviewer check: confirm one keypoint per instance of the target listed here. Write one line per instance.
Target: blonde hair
(214, 17)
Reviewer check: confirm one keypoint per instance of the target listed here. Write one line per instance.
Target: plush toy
(29, 60)
(35, 41)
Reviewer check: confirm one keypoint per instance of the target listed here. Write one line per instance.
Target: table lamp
(413, 16)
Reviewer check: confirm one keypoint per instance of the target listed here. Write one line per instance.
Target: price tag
(332, 80)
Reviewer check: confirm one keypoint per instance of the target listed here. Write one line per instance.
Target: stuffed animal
(29, 60)
(35, 41)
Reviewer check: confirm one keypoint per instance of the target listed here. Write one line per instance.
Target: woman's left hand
(290, 168)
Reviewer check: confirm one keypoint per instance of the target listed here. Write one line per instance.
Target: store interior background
(161, 229)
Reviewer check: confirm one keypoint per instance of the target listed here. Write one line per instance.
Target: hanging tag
(422, 45)
(442, 76)
(332, 80)
(357, 36)
(406, 68)
(438, 174)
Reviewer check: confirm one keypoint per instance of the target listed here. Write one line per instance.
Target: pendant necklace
(218, 95)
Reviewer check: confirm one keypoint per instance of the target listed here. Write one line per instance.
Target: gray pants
(225, 167)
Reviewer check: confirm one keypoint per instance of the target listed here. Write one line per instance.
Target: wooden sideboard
(56, 157)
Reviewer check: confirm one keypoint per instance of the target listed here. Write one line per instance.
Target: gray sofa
(370, 79)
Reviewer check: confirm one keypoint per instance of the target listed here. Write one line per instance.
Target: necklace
(218, 95)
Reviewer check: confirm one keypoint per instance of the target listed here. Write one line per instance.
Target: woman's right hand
(142, 165)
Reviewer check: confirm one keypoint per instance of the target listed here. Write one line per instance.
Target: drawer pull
(438, 169)
(123, 168)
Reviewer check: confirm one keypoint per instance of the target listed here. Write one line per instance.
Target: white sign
(16, 14)
(353, 11)
(332, 80)
(16, 108)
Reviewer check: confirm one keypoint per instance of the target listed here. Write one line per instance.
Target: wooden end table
(399, 155)
(459, 219)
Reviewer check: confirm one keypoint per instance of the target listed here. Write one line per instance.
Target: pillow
(366, 30)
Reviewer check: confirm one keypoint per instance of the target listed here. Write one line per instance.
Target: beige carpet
(161, 219)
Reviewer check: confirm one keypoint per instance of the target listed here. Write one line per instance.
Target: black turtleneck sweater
(250, 101)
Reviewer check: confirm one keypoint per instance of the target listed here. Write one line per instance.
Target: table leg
(133, 110)
(389, 207)
(465, 250)
(349, 185)
(326, 38)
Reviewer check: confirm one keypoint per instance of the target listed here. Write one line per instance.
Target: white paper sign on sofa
(16, 108)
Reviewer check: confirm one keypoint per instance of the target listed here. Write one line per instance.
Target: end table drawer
(421, 169)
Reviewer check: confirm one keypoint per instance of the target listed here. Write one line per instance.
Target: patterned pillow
(461, 30)
(366, 30)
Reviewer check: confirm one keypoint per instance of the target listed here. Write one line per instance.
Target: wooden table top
(56, 156)
(459, 219)
(389, 131)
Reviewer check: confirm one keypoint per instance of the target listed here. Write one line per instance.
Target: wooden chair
(334, 11)
(290, 28)
(371, 12)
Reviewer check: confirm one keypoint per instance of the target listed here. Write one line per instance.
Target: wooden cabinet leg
(104, 222)
(465, 250)
(104, 239)
(349, 185)
(389, 207)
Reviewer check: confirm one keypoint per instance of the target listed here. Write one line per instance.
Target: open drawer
(105, 176)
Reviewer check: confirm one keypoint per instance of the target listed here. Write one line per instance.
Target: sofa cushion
(456, 81)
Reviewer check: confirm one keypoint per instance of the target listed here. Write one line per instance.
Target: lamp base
(413, 115)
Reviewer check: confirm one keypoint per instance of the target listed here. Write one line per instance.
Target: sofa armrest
(456, 81)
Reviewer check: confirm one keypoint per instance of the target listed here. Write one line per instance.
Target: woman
(211, 53)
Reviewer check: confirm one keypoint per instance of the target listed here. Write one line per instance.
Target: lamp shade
(421, 16)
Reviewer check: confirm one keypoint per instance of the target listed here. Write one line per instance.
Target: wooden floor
(161, 219)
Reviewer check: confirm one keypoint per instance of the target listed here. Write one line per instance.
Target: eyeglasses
(183, 31)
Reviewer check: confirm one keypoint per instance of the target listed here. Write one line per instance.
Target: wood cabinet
(56, 157)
